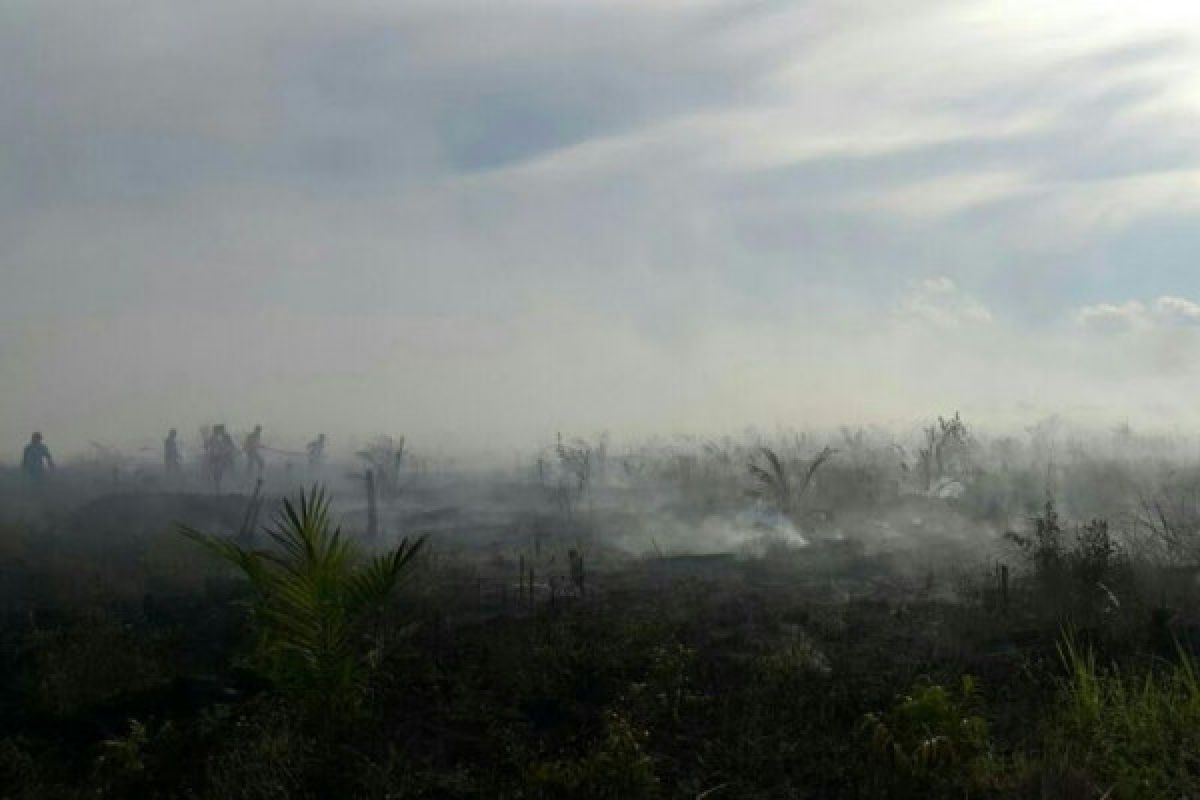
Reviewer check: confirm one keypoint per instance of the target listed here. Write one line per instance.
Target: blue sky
(491, 220)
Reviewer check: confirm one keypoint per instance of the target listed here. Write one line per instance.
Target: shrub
(1075, 577)
(617, 768)
(932, 737)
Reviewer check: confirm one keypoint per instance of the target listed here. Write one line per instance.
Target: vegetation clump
(933, 736)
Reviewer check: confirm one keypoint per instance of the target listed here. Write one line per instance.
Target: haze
(485, 222)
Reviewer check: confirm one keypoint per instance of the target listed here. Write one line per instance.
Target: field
(765, 616)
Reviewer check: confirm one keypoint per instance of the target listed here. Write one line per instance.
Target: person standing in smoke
(172, 460)
(219, 452)
(316, 453)
(252, 448)
(36, 459)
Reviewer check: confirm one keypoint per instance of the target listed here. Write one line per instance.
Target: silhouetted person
(172, 459)
(219, 452)
(36, 460)
(316, 453)
(252, 447)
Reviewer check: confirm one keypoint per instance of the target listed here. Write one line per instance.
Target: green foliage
(1045, 548)
(1076, 576)
(121, 765)
(23, 771)
(1135, 731)
(314, 597)
(616, 768)
(933, 736)
(77, 667)
(263, 755)
(667, 689)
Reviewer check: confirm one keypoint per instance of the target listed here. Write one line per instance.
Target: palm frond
(374, 581)
(250, 562)
(821, 458)
(777, 470)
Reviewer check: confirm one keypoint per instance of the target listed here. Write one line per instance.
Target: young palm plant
(314, 597)
(773, 484)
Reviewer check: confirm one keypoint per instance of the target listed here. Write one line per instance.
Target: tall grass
(1135, 731)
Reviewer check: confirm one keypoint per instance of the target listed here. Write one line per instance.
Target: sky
(479, 223)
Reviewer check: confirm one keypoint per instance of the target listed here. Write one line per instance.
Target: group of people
(220, 455)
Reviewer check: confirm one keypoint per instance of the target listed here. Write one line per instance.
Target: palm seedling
(771, 482)
(315, 594)
(773, 485)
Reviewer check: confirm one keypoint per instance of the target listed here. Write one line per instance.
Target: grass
(1134, 730)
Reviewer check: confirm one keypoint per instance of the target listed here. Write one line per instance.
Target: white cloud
(938, 302)
(1110, 317)
(946, 195)
(1133, 315)
(1177, 309)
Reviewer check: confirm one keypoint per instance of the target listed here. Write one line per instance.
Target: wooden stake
(372, 510)
(1004, 586)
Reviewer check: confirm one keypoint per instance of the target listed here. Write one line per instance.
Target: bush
(617, 768)
(1076, 577)
(932, 737)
